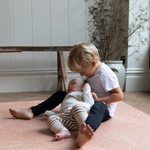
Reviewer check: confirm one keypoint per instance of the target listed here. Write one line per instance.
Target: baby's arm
(87, 96)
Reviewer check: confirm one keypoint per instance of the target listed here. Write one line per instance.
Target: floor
(139, 100)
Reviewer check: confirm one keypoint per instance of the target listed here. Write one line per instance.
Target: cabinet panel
(5, 23)
(59, 22)
(41, 22)
(22, 22)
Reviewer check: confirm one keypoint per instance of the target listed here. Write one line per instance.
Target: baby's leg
(80, 113)
(84, 135)
(21, 113)
(54, 123)
(85, 132)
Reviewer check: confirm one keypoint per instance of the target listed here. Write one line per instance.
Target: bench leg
(62, 72)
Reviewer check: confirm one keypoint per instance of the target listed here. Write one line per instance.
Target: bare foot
(22, 113)
(62, 135)
(48, 113)
(84, 135)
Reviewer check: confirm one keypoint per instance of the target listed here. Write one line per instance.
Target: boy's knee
(60, 93)
(98, 106)
(59, 96)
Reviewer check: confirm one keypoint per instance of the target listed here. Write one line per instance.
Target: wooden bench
(61, 67)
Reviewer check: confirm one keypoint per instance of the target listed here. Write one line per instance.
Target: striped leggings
(70, 119)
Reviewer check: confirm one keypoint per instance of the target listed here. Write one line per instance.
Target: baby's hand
(86, 85)
(95, 97)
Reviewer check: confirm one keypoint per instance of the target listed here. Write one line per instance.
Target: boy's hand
(95, 97)
(86, 85)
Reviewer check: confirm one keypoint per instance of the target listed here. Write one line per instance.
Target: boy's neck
(97, 65)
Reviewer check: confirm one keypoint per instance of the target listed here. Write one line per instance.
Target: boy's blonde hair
(81, 55)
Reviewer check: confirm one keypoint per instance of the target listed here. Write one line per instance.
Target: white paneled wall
(6, 23)
(59, 22)
(50, 23)
(22, 22)
(41, 22)
(138, 71)
(76, 8)
(38, 23)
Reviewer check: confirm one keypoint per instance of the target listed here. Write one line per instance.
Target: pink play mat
(129, 129)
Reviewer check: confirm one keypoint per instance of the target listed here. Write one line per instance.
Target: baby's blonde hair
(81, 81)
(81, 55)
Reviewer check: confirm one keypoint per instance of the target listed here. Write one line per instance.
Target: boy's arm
(87, 96)
(115, 96)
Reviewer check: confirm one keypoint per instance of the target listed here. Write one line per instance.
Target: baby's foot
(62, 135)
(84, 135)
(48, 113)
(21, 113)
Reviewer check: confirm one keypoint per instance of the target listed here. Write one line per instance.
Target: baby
(74, 109)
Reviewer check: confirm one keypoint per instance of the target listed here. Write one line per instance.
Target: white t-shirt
(104, 80)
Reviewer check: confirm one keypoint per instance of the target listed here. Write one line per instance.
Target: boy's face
(88, 72)
(74, 86)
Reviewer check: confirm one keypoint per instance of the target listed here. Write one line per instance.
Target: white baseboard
(30, 80)
(46, 80)
(137, 80)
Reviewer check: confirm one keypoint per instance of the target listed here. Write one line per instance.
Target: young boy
(84, 59)
(73, 111)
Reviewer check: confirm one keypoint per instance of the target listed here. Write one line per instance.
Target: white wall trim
(28, 71)
(137, 70)
(27, 80)
(137, 79)
(31, 80)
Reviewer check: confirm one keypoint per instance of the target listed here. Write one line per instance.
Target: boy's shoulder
(103, 68)
(104, 71)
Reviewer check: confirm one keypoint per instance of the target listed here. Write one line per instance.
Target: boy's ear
(93, 63)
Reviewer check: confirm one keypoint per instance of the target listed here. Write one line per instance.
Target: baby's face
(74, 86)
